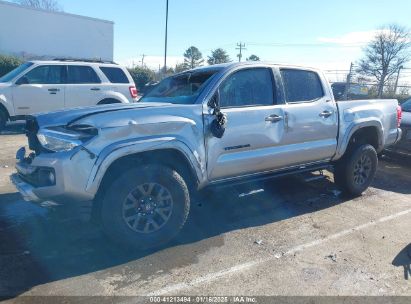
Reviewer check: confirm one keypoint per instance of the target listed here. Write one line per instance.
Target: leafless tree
(50, 5)
(386, 54)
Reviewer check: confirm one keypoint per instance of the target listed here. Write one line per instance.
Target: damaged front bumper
(25, 189)
(59, 177)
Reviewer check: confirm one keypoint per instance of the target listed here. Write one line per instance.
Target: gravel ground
(289, 238)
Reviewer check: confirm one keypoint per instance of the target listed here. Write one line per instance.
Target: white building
(36, 33)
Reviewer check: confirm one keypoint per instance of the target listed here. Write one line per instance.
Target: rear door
(254, 129)
(83, 86)
(311, 117)
(41, 89)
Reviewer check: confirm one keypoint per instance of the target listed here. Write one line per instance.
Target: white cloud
(152, 62)
(351, 38)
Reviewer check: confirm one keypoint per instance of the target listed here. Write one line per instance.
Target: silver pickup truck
(137, 167)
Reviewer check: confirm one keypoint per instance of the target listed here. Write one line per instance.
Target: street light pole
(165, 42)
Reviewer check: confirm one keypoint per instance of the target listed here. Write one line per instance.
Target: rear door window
(301, 86)
(77, 74)
(115, 75)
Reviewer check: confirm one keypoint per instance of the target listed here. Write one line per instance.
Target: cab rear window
(115, 75)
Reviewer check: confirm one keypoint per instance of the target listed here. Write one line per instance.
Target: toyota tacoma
(137, 167)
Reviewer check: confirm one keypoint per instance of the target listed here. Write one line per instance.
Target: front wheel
(145, 207)
(355, 172)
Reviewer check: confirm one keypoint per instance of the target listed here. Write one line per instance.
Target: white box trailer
(35, 33)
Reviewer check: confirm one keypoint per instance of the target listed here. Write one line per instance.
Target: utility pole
(347, 85)
(165, 42)
(396, 80)
(142, 59)
(241, 47)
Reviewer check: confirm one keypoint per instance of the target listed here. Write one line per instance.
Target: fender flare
(120, 149)
(354, 127)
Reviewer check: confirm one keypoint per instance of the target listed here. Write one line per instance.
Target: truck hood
(66, 117)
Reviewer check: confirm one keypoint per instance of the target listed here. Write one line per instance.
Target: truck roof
(249, 63)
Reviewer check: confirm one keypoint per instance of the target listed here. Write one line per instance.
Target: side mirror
(214, 102)
(22, 80)
(217, 126)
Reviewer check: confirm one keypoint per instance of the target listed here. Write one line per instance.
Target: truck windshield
(182, 88)
(10, 76)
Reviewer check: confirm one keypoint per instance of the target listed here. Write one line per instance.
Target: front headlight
(58, 139)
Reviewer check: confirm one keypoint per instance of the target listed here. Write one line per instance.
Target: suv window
(115, 75)
(77, 74)
(249, 87)
(45, 74)
(301, 85)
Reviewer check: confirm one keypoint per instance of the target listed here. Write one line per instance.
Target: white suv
(44, 86)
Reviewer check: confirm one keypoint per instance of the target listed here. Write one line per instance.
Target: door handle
(273, 118)
(53, 90)
(326, 114)
(95, 89)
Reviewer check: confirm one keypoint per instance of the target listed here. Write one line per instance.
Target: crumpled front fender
(118, 150)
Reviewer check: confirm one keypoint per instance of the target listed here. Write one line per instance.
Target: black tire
(115, 220)
(355, 172)
(108, 101)
(3, 119)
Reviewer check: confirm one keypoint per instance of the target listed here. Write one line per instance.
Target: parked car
(139, 167)
(355, 90)
(404, 145)
(44, 86)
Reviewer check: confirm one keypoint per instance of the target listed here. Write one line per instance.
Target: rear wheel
(356, 171)
(108, 101)
(145, 207)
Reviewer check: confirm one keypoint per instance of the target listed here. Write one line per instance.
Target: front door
(254, 129)
(41, 89)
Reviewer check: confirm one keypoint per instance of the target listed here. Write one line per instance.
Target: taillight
(399, 115)
(133, 92)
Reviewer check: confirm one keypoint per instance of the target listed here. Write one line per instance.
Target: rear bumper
(403, 144)
(399, 135)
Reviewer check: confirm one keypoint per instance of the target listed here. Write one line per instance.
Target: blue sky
(324, 33)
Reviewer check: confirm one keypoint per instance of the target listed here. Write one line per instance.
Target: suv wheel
(355, 172)
(108, 101)
(145, 207)
(3, 119)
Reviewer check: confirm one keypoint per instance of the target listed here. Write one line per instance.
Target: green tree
(180, 67)
(253, 58)
(218, 56)
(141, 76)
(8, 63)
(49, 5)
(385, 55)
(193, 58)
